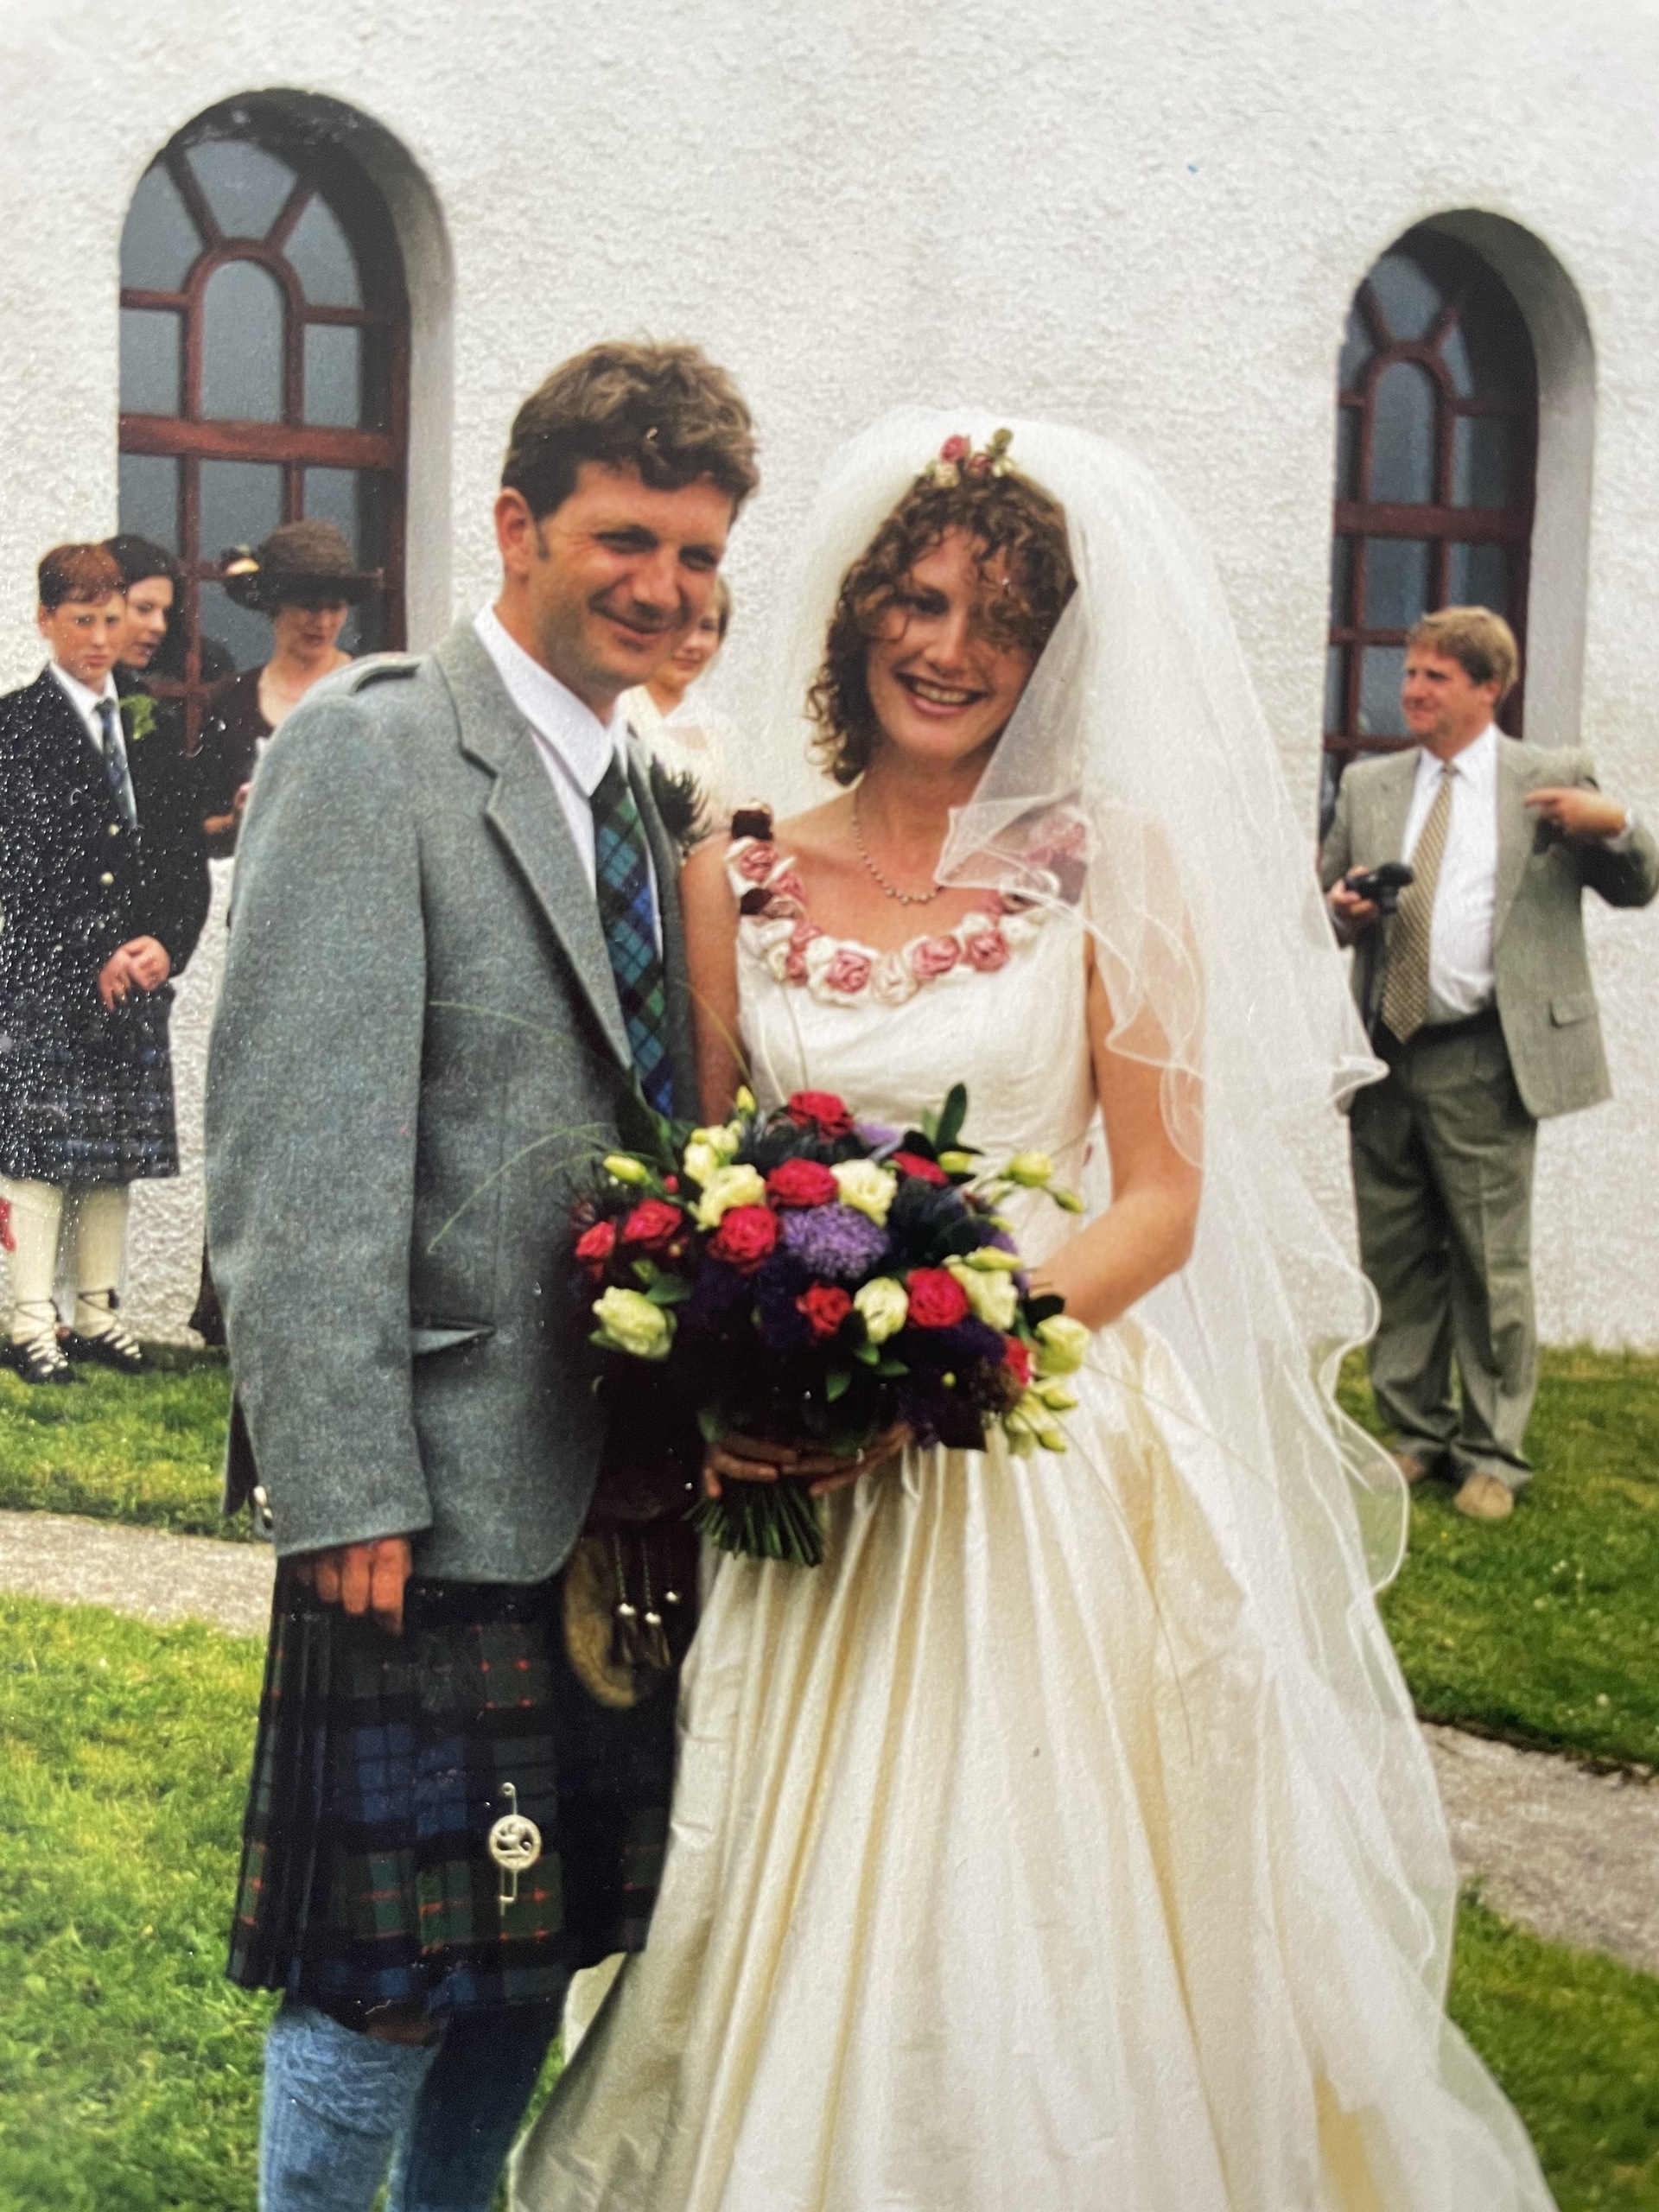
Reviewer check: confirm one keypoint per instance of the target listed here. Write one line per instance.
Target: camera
(1382, 885)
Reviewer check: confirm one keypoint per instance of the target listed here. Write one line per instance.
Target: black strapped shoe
(113, 1347)
(39, 1359)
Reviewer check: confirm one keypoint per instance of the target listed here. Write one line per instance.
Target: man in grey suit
(1477, 993)
(455, 949)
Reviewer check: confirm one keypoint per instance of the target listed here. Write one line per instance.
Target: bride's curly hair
(1019, 529)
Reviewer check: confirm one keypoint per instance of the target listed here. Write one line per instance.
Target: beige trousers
(98, 1214)
(1442, 1153)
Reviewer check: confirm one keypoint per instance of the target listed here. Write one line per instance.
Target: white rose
(885, 1305)
(1029, 1169)
(995, 1299)
(701, 1162)
(868, 1187)
(629, 1322)
(726, 1188)
(1065, 1344)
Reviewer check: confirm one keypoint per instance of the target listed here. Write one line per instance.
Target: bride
(1066, 1839)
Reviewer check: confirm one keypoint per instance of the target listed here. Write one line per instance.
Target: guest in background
(304, 580)
(155, 641)
(695, 746)
(1477, 995)
(153, 585)
(98, 916)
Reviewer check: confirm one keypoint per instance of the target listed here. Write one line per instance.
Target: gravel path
(1573, 1854)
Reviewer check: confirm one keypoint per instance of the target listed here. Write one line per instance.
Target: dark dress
(233, 732)
(86, 1092)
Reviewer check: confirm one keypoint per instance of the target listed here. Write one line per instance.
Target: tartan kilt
(87, 1096)
(378, 1774)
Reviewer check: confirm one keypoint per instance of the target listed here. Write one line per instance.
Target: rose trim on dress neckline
(774, 924)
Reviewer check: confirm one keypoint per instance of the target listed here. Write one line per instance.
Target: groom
(455, 940)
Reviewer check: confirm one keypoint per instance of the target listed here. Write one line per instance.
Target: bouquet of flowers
(800, 1277)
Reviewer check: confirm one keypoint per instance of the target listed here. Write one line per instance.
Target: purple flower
(837, 1244)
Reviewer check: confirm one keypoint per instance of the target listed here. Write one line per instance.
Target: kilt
(378, 1772)
(87, 1096)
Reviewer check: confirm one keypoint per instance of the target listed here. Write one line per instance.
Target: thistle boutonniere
(139, 713)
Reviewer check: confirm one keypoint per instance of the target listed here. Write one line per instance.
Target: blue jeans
(339, 2107)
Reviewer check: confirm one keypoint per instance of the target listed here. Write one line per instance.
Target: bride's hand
(879, 1449)
(752, 1460)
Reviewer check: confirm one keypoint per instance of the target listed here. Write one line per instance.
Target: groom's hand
(364, 1578)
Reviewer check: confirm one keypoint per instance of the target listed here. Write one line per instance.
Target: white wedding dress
(1012, 1865)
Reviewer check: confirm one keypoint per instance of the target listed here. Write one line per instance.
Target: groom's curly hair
(1025, 561)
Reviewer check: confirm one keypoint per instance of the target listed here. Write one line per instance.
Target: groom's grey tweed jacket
(418, 1051)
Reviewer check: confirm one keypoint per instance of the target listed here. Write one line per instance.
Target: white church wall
(1147, 216)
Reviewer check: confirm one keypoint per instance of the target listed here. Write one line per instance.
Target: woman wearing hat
(304, 580)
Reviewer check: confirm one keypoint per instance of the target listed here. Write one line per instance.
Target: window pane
(1336, 688)
(150, 497)
(245, 187)
(1380, 668)
(1342, 582)
(1397, 581)
(322, 257)
(1348, 422)
(242, 344)
(1357, 350)
(1489, 353)
(150, 359)
(1480, 462)
(333, 375)
(1403, 434)
(159, 241)
(241, 502)
(1478, 576)
(245, 636)
(1409, 302)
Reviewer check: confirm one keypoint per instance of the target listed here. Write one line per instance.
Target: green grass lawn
(118, 1448)
(130, 2068)
(1544, 1628)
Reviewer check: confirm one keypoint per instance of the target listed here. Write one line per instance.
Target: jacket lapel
(526, 817)
(1394, 791)
(1516, 830)
(665, 866)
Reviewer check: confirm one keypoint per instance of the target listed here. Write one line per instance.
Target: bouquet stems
(777, 1520)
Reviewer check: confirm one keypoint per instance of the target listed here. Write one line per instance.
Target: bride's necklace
(905, 898)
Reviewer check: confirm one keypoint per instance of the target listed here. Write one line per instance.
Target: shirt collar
(585, 745)
(1475, 764)
(80, 697)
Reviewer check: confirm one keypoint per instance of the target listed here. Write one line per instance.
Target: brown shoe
(1484, 1497)
(1413, 1466)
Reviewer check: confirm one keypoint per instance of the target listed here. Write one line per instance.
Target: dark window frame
(1466, 283)
(324, 170)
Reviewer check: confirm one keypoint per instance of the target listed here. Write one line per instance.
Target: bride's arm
(1147, 1231)
(710, 914)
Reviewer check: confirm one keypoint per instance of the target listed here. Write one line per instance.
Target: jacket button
(106, 881)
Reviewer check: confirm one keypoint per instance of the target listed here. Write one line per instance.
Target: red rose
(924, 1171)
(8, 1241)
(955, 448)
(652, 1223)
(1016, 1357)
(821, 1110)
(594, 1246)
(747, 1236)
(937, 1301)
(800, 1183)
(826, 1305)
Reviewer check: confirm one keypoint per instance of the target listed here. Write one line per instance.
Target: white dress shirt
(1460, 979)
(85, 703)
(571, 742)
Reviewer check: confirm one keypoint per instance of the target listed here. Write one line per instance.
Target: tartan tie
(1405, 993)
(115, 766)
(628, 916)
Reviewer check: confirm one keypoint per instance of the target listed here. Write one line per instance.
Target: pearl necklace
(905, 898)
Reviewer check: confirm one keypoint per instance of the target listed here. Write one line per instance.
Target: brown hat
(301, 564)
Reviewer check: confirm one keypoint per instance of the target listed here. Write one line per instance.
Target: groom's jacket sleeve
(313, 1096)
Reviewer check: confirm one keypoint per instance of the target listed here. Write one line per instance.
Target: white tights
(98, 1211)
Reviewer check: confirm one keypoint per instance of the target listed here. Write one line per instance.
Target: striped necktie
(627, 915)
(1405, 992)
(115, 760)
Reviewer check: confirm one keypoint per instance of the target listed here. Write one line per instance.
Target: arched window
(264, 369)
(1436, 444)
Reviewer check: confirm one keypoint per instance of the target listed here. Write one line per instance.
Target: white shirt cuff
(1621, 842)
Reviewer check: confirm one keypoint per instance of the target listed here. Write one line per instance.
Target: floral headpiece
(958, 459)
